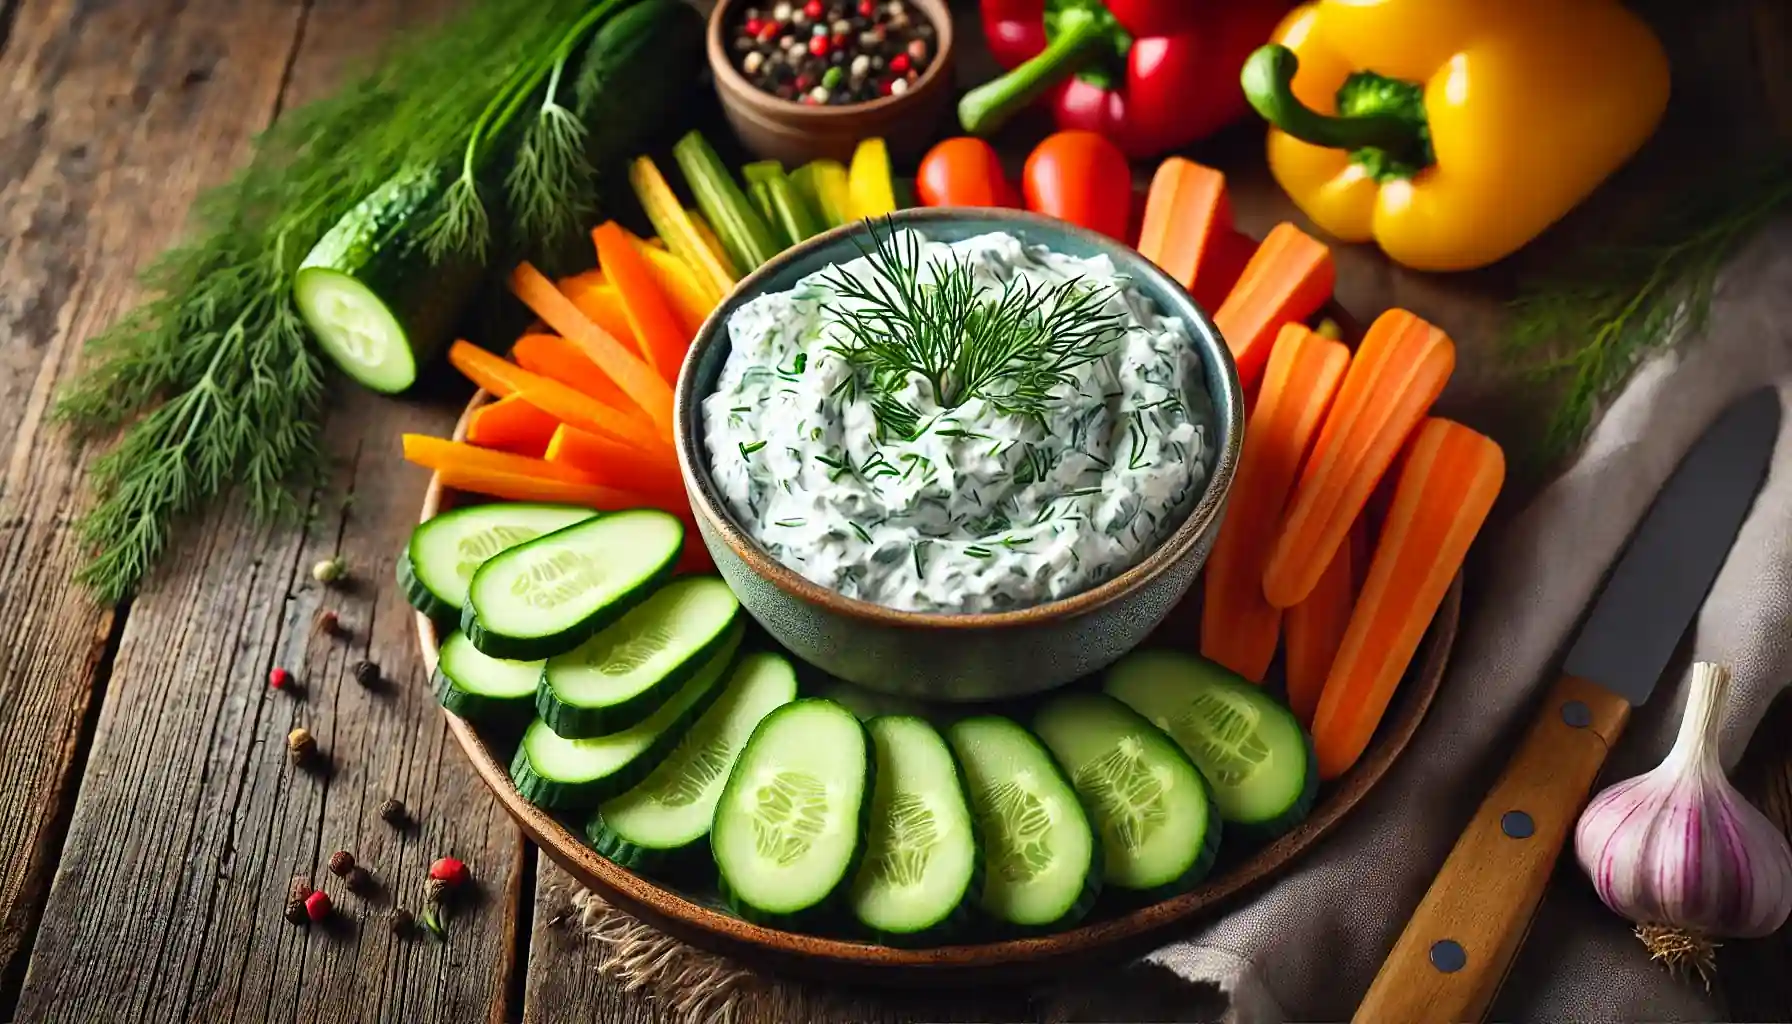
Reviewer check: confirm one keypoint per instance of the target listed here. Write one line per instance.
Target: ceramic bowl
(795, 133)
(958, 657)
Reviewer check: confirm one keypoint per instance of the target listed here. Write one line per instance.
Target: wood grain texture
(191, 819)
(1485, 895)
(112, 122)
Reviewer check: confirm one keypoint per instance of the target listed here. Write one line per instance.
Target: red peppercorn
(449, 871)
(899, 63)
(753, 26)
(883, 87)
(819, 46)
(867, 8)
(278, 678)
(768, 31)
(804, 83)
(839, 42)
(317, 905)
(813, 8)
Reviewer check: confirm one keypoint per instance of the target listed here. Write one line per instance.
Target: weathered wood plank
(191, 820)
(108, 133)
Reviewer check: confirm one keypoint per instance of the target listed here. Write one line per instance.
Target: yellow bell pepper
(1452, 132)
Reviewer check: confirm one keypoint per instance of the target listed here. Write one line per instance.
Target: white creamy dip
(983, 510)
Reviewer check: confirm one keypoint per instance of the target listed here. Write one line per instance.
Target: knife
(1454, 953)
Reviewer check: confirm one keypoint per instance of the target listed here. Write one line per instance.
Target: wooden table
(151, 820)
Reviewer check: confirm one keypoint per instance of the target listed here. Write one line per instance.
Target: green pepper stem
(1268, 78)
(985, 109)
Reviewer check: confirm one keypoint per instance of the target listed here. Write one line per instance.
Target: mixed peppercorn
(833, 52)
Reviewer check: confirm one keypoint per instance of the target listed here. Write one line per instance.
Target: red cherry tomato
(1080, 177)
(964, 172)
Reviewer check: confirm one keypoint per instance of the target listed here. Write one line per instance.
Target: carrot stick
(1445, 491)
(1186, 215)
(608, 462)
(565, 404)
(512, 425)
(602, 305)
(1239, 627)
(556, 358)
(583, 280)
(637, 380)
(439, 453)
(679, 283)
(1287, 279)
(650, 316)
(523, 487)
(1314, 628)
(1399, 370)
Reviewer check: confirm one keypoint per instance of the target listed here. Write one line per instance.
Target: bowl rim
(938, 14)
(706, 502)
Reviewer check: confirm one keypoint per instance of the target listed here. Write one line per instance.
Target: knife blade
(1455, 951)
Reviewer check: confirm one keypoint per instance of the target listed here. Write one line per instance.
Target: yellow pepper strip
(1452, 132)
(872, 190)
(714, 275)
(707, 235)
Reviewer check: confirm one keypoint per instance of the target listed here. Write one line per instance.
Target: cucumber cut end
(356, 329)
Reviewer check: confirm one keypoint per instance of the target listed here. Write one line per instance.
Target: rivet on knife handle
(1461, 940)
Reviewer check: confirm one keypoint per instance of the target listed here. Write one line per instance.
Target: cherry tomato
(1080, 177)
(964, 172)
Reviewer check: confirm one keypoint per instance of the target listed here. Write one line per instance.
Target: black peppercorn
(392, 812)
(298, 889)
(367, 674)
(295, 912)
(341, 863)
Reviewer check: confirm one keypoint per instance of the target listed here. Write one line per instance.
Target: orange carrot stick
(500, 376)
(637, 380)
(650, 316)
(603, 305)
(1446, 489)
(1239, 627)
(439, 453)
(512, 425)
(1288, 278)
(1186, 212)
(558, 359)
(1313, 630)
(608, 462)
(1399, 370)
(523, 487)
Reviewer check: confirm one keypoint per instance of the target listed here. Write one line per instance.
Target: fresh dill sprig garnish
(550, 181)
(748, 448)
(1014, 349)
(1618, 303)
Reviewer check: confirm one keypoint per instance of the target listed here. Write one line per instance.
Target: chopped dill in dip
(1071, 437)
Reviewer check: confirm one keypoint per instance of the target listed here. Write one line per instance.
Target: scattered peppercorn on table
(251, 740)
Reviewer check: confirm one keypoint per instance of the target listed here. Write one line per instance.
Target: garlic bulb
(1678, 851)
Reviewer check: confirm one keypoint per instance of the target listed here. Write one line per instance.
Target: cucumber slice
(554, 772)
(379, 306)
(618, 677)
(1248, 745)
(668, 814)
(919, 879)
(1158, 831)
(546, 596)
(438, 562)
(482, 688)
(786, 833)
(1041, 864)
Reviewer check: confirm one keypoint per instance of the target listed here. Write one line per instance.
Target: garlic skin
(1678, 847)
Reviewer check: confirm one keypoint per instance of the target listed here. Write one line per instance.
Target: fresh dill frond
(550, 182)
(1015, 349)
(1619, 303)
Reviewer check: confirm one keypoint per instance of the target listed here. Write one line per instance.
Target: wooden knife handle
(1462, 939)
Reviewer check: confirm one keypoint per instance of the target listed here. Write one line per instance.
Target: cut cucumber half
(919, 879)
(668, 814)
(546, 596)
(557, 773)
(378, 305)
(1248, 745)
(482, 688)
(1041, 864)
(1158, 830)
(618, 677)
(786, 833)
(438, 562)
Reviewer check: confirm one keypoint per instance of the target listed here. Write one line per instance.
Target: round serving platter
(1112, 933)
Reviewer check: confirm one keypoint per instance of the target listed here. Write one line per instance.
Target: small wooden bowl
(1110, 936)
(794, 133)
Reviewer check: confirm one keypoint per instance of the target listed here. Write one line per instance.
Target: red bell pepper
(1152, 75)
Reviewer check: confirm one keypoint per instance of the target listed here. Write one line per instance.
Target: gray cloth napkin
(1307, 947)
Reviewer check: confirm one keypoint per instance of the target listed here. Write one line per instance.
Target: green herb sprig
(1014, 349)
